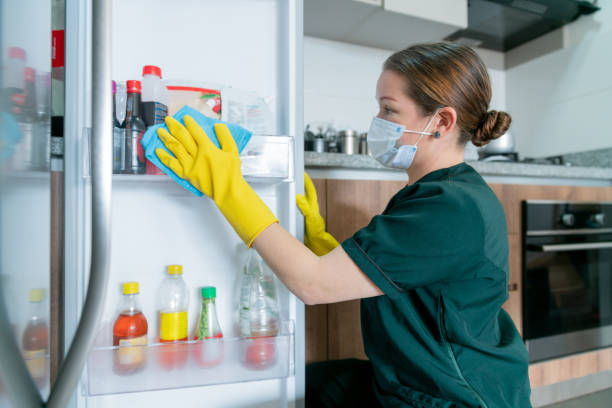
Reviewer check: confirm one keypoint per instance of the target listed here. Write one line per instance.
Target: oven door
(567, 295)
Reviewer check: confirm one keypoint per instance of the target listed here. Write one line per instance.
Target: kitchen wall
(561, 100)
(340, 82)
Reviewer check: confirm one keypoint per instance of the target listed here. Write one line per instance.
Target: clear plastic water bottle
(258, 314)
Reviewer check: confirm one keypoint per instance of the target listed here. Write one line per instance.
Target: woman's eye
(388, 110)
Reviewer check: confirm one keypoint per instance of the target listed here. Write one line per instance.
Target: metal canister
(349, 142)
(319, 143)
(363, 144)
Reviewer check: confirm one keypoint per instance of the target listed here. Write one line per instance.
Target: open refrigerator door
(250, 45)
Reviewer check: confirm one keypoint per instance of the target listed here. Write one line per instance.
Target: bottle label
(173, 326)
(36, 362)
(154, 113)
(132, 355)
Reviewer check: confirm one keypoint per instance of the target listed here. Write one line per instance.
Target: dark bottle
(118, 137)
(134, 129)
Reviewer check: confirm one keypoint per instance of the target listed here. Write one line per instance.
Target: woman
(431, 270)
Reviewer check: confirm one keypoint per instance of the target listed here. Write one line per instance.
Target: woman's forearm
(333, 277)
(291, 261)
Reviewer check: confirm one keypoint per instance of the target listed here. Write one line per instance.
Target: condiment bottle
(118, 134)
(154, 104)
(134, 157)
(173, 304)
(35, 340)
(208, 352)
(130, 329)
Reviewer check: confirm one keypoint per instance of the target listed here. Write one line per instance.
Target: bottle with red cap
(154, 103)
(134, 157)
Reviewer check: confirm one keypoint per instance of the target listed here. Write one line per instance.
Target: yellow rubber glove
(216, 173)
(315, 237)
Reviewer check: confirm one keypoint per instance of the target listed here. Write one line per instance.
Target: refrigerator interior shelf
(24, 176)
(188, 364)
(265, 159)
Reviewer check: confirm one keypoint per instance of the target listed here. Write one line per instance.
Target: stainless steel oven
(567, 277)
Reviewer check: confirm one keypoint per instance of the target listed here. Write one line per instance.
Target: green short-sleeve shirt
(438, 337)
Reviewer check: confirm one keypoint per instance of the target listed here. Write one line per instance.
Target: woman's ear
(447, 119)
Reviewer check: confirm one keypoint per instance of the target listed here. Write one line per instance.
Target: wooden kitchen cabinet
(351, 204)
(346, 206)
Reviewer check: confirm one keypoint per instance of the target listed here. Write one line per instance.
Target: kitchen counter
(352, 166)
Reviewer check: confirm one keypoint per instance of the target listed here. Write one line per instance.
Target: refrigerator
(71, 231)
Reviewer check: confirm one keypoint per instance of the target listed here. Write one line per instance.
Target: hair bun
(492, 125)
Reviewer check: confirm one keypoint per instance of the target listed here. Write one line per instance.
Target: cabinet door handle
(513, 287)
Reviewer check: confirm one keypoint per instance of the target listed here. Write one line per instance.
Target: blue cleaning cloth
(10, 134)
(150, 140)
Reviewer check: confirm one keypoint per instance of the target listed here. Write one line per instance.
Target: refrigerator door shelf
(265, 159)
(190, 364)
(268, 159)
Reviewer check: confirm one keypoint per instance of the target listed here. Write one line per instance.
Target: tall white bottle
(154, 103)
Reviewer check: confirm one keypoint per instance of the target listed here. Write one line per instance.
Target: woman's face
(395, 106)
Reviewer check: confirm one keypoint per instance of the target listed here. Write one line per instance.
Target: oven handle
(570, 247)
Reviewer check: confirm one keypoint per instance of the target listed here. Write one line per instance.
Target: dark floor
(601, 399)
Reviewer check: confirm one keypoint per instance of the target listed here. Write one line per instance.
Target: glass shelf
(265, 159)
(24, 176)
(113, 370)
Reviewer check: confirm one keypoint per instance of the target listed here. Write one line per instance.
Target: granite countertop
(359, 161)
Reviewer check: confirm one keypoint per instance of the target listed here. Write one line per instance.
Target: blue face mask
(382, 140)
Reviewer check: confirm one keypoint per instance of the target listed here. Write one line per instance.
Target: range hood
(504, 24)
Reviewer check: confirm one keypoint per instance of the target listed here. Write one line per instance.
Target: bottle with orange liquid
(35, 340)
(130, 329)
(173, 303)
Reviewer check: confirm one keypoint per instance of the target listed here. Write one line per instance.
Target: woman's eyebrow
(382, 98)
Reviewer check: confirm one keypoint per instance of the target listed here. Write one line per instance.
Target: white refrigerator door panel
(226, 43)
(251, 45)
(160, 224)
